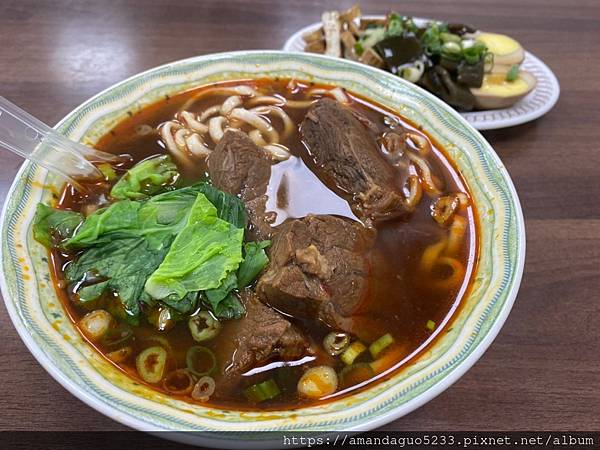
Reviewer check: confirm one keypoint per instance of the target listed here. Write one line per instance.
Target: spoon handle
(32, 139)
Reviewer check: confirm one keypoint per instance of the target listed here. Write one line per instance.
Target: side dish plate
(537, 103)
(43, 324)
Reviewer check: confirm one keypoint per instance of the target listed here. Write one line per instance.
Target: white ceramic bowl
(46, 330)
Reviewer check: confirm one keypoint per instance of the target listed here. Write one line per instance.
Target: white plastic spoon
(32, 139)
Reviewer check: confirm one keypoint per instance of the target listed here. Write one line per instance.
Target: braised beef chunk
(347, 149)
(318, 270)
(239, 167)
(261, 334)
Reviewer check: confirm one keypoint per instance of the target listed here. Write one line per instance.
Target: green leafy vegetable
(118, 220)
(170, 204)
(126, 243)
(255, 260)
(52, 225)
(229, 308)
(201, 256)
(122, 266)
(146, 178)
(222, 301)
(91, 292)
(229, 207)
(165, 213)
(185, 305)
(214, 296)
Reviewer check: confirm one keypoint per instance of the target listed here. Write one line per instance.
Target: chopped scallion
(262, 391)
(358, 48)
(450, 37)
(451, 50)
(381, 344)
(200, 360)
(204, 326)
(472, 53)
(150, 364)
(430, 325)
(353, 351)
(108, 171)
(335, 343)
(513, 73)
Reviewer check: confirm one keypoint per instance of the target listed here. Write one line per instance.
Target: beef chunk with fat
(318, 270)
(262, 334)
(239, 167)
(348, 152)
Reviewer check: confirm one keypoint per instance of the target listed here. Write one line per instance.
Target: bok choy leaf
(146, 178)
(52, 225)
(202, 255)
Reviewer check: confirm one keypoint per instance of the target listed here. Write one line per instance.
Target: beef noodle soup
(267, 244)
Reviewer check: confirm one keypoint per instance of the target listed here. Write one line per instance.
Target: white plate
(534, 105)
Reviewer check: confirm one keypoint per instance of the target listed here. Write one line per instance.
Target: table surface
(543, 370)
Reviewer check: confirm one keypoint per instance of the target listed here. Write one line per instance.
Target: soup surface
(363, 269)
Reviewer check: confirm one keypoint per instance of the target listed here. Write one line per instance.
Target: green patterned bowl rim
(45, 329)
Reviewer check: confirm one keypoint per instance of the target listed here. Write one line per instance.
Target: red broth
(414, 317)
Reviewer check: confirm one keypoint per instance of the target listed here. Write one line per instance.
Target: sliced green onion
(467, 43)
(150, 364)
(513, 73)
(335, 343)
(204, 326)
(430, 325)
(204, 388)
(451, 50)
(381, 344)
(414, 72)
(96, 324)
(473, 52)
(352, 352)
(355, 374)
(450, 37)
(262, 391)
(108, 172)
(200, 360)
(179, 382)
(358, 48)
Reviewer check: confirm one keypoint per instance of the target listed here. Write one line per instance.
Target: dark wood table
(543, 370)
